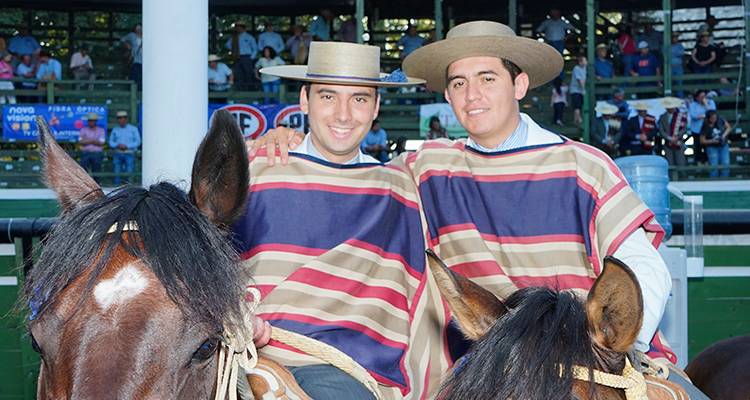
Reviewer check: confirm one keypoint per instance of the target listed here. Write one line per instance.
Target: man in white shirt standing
(81, 65)
(555, 30)
(271, 39)
(124, 140)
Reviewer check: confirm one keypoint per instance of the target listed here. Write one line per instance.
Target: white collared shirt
(308, 148)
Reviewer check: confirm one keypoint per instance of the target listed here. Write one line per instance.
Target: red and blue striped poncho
(543, 215)
(338, 255)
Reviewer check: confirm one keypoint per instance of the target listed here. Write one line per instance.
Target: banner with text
(65, 120)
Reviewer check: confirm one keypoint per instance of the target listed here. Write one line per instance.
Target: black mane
(190, 256)
(521, 356)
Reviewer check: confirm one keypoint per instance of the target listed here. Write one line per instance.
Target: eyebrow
(480, 73)
(355, 94)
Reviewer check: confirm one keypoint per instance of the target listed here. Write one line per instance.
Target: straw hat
(342, 64)
(92, 116)
(606, 108)
(640, 106)
(601, 46)
(121, 114)
(484, 38)
(672, 102)
(213, 57)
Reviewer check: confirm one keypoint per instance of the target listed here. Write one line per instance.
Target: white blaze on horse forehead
(127, 283)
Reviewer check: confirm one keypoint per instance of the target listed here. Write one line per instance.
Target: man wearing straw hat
(335, 242)
(639, 132)
(673, 128)
(607, 131)
(535, 208)
(91, 139)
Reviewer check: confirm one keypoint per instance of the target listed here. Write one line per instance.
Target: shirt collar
(308, 148)
(517, 139)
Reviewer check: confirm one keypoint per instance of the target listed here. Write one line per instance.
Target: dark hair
(698, 92)
(375, 122)
(271, 52)
(528, 352)
(434, 118)
(192, 259)
(557, 84)
(513, 69)
(308, 86)
(44, 53)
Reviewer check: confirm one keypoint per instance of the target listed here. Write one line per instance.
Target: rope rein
(631, 380)
(330, 355)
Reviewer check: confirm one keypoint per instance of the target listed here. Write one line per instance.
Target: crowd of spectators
(693, 121)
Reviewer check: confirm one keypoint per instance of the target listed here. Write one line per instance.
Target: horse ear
(614, 307)
(474, 307)
(74, 187)
(220, 171)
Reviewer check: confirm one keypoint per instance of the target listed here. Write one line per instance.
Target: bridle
(632, 381)
(237, 352)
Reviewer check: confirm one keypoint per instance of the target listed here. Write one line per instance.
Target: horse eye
(34, 344)
(206, 349)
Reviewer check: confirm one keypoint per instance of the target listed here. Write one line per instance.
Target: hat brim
(299, 73)
(540, 61)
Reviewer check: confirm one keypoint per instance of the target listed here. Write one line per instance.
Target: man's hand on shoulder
(281, 138)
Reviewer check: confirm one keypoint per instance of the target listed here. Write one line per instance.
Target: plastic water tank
(649, 177)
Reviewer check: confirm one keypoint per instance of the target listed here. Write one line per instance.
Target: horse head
(535, 343)
(135, 291)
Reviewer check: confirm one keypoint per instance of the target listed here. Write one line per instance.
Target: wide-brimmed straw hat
(121, 114)
(342, 64)
(672, 102)
(606, 108)
(213, 57)
(92, 116)
(483, 38)
(640, 106)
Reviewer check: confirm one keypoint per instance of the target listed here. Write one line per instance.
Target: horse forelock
(521, 356)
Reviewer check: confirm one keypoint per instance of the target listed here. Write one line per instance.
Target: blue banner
(65, 120)
(256, 120)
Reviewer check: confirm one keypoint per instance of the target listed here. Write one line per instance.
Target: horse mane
(192, 258)
(522, 355)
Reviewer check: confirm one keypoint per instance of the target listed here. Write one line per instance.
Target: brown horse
(136, 290)
(722, 371)
(542, 344)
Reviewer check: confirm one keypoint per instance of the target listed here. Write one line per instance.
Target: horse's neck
(608, 360)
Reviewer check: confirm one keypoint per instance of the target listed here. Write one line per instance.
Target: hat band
(358, 78)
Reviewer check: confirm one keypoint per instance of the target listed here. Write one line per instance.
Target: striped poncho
(337, 253)
(543, 215)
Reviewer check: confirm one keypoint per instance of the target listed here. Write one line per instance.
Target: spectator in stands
(125, 140)
(375, 142)
(49, 69)
(555, 30)
(697, 111)
(320, 29)
(271, 39)
(715, 138)
(220, 77)
(652, 37)
(133, 42)
(348, 31)
(244, 49)
(271, 83)
(26, 70)
(6, 73)
(628, 50)
(299, 45)
(91, 139)
(24, 43)
(673, 127)
(603, 68)
(646, 64)
(410, 41)
(704, 55)
(436, 130)
(618, 100)
(578, 88)
(607, 132)
(639, 132)
(708, 26)
(558, 100)
(677, 56)
(81, 65)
